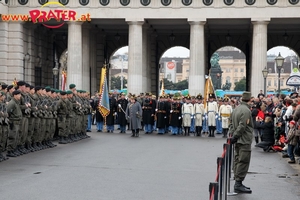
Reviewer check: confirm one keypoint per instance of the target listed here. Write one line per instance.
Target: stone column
(3, 51)
(259, 54)
(16, 52)
(86, 58)
(74, 69)
(197, 58)
(135, 62)
(145, 66)
(93, 55)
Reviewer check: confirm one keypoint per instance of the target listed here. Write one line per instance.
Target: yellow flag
(209, 88)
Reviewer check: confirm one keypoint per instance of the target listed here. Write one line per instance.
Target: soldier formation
(179, 115)
(32, 117)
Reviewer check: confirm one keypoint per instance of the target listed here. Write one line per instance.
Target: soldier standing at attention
(148, 113)
(110, 119)
(225, 112)
(122, 105)
(187, 115)
(212, 110)
(62, 111)
(3, 126)
(199, 114)
(15, 117)
(26, 110)
(175, 115)
(241, 129)
(161, 112)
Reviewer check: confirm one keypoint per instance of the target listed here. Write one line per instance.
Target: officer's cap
(16, 92)
(21, 83)
(9, 87)
(71, 86)
(4, 86)
(69, 92)
(37, 88)
(63, 92)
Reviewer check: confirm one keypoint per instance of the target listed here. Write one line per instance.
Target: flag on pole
(15, 82)
(63, 80)
(104, 99)
(162, 90)
(209, 88)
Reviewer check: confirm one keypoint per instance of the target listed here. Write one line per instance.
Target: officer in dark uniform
(110, 119)
(175, 115)
(148, 113)
(161, 112)
(122, 105)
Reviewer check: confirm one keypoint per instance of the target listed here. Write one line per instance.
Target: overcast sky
(184, 52)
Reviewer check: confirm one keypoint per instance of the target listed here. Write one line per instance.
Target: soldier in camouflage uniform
(62, 112)
(3, 126)
(26, 111)
(15, 117)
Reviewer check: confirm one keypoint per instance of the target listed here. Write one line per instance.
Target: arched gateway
(149, 28)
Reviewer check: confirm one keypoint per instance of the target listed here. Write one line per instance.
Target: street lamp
(265, 75)
(279, 63)
(55, 73)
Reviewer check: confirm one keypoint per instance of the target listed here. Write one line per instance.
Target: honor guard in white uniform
(199, 114)
(212, 110)
(225, 112)
(187, 115)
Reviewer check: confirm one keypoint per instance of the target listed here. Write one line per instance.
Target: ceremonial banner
(162, 91)
(63, 80)
(104, 99)
(209, 88)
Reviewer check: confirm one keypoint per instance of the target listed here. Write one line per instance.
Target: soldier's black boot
(200, 130)
(62, 140)
(225, 133)
(11, 154)
(213, 131)
(240, 188)
(256, 140)
(188, 131)
(209, 129)
(137, 133)
(133, 133)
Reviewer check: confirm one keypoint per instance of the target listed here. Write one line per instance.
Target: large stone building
(149, 27)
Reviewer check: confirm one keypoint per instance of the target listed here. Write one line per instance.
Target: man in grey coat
(241, 130)
(134, 115)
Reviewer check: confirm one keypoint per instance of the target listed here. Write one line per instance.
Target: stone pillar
(145, 66)
(86, 58)
(197, 58)
(30, 78)
(15, 58)
(93, 63)
(259, 55)
(74, 69)
(135, 62)
(3, 51)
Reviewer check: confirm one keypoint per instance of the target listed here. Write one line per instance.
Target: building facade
(30, 51)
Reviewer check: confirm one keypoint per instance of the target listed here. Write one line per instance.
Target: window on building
(38, 75)
(275, 82)
(236, 80)
(269, 82)
(282, 70)
(236, 69)
(242, 70)
(227, 69)
(281, 83)
(270, 70)
(228, 79)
